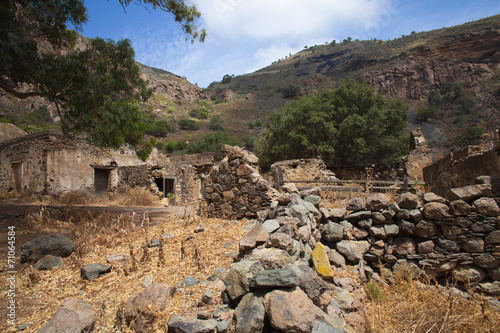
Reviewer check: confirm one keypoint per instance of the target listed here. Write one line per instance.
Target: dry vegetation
(408, 305)
(97, 235)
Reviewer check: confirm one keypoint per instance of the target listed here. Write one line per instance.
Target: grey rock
(274, 278)
(332, 232)
(355, 204)
(73, 315)
(208, 297)
(377, 231)
(353, 250)
(473, 245)
(486, 206)
(359, 215)
(390, 211)
(391, 230)
(338, 214)
(238, 279)
(492, 288)
(432, 197)
(56, 245)
(460, 208)
(257, 235)
(250, 313)
(204, 315)
(486, 260)
(48, 262)
(407, 200)
(190, 281)
(314, 200)
(378, 218)
(300, 212)
(425, 229)
(309, 281)
(93, 271)
(155, 242)
(404, 246)
(271, 226)
(321, 326)
(141, 310)
(435, 211)
(403, 214)
(292, 311)
(493, 237)
(359, 234)
(287, 229)
(271, 258)
(416, 215)
(469, 193)
(335, 258)
(468, 273)
(343, 298)
(224, 325)
(494, 273)
(178, 324)
(376, 201)
(116, 257)
(448, 245)
(280, 241)
(365, 223)
(406, 228)
(316, 191)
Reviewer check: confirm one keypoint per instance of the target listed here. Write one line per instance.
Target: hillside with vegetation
(449, 77)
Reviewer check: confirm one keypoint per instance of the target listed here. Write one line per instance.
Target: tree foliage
(349, 126)
(216, 123)
(95, 88)
(212, 142)
(471, 136)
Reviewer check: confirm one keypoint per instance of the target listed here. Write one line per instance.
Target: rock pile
(234, 188)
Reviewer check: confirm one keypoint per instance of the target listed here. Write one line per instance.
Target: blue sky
(246, 35)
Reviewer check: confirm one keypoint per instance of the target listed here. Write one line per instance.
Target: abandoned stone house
(49, 163)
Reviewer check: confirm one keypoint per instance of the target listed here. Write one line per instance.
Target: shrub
(471, 136)
(188, 124)
(427, 112)
(291, 90)
(216, 123)
(210, 143)
(158, 128)
(434, 98)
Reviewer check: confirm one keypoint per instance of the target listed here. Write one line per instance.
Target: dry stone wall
(234, 188)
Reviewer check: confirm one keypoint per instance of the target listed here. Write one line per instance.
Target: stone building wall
(460, 168)
(234, 188)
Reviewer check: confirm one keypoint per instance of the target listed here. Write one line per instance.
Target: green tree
(95, 88)
(471, 136)
(427, 112)
(347, 126)
(210, 143)
(188, 124)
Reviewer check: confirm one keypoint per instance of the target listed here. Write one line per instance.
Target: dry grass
(407, 305)
(96, 235)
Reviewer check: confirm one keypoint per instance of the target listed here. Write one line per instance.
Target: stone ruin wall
(461, 168)
(234, 188)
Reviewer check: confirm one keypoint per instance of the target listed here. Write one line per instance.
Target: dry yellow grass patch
(410, 306)
(96, 235)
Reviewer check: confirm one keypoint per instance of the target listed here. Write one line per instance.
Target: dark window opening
(101, 180)
(17, 169)
(166, 185)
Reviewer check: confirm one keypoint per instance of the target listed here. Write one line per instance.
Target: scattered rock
(280, 241)
(355, 204)
(190, 281)
(271, 258)
(142, 309)
(332, 232)
(376, 201)
(353, 250)
(116, 257)
(73, 315)
(93, 271)
(48, 262)
(309, 281)
(208, 298)
(56, 245)
(177, 324)
(321, 326)
(271, 226)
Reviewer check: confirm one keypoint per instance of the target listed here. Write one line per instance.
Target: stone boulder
(332, 232)
(486, 206)
(309, 282)
(459, 208)
(353, 250)
(355, 204)
(273, 279)
(321, 262)
(142, 309)
(469, 193)
(435, 211)
(271, 258)
(407, 200)
(177, 324)
(250, 313)
(48, 262)
(74, 315)
(238, 279)
(257, 235)
(292, 311)
(56, 245)
(376, 201)
(93, 271)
